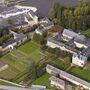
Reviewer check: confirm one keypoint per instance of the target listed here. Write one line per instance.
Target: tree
(74, 18)
(31, 72)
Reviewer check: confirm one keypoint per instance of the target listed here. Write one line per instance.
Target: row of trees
(41, 39)
(75, 18)
(4, 35)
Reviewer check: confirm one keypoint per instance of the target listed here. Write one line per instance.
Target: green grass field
(86, 32)
(81, 73)
(19, 59)
(43, 80)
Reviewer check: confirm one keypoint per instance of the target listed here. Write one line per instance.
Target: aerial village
(38, 54)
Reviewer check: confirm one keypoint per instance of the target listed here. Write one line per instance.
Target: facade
(60, 84)
(46, 24)
(70, 41)
(51, 70)
(39, 30)
(17, 40)
(79, 60)
(15, 88)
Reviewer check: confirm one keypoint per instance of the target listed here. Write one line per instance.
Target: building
(75, 80)
(68, 34)
(39, 87)
(14, 42)
(67, 41)
(46, 24)
(17, 16)
(60, 84)
(39, 30)
(80, 41)
(15, 88)
(80, 58)
(2, 1)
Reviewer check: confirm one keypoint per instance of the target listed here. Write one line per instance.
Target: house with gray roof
(68, 41)
(46, 23)
(50, 69)
(60, 84)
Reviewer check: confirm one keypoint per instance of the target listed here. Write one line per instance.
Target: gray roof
(57, 80)
(81, 39)
(9, 9)
(8, 43)
(69, 33)
(77, 38)
(69, 76)
(16, 21)
(32, 13)
(20, 37)
(40, 30)
(14, 88)
(86, 52)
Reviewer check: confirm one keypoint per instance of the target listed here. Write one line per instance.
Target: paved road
(11, 83)
(13, 88)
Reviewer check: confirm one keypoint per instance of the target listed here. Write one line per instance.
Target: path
(15, 84)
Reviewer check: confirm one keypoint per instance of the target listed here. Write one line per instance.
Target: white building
(79, 40)
(52, 70)
(39, 30)
(58, 83)
(46, 23)
(79, 60)
(72, 40)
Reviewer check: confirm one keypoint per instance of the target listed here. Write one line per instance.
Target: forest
(76, 19)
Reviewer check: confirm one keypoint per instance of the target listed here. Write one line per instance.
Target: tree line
(74, 18)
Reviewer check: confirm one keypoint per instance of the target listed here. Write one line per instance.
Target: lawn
(43, 80)
(6, 84)
(18, 61)
(59, 64)
(29, 47)
(86, 32)
(81, 73)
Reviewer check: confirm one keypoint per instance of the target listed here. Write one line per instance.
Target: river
(43, 6)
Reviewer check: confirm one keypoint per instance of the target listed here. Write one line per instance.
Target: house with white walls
(66, 76)
(60, 84)
(68, 41)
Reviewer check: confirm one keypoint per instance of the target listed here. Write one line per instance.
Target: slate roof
(81, 39)
(8, 43)
(67, 75)
(9, 9)
(32, 13)
(77, 38)
(57, 80)
(86, 52)
(69, 33)
(20, 37)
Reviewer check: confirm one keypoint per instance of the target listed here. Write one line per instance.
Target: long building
(54, 71)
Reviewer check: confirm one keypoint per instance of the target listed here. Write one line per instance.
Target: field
(19, 59)
(81, 73)
(86, 32)
(4, 83)
(43, 80)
